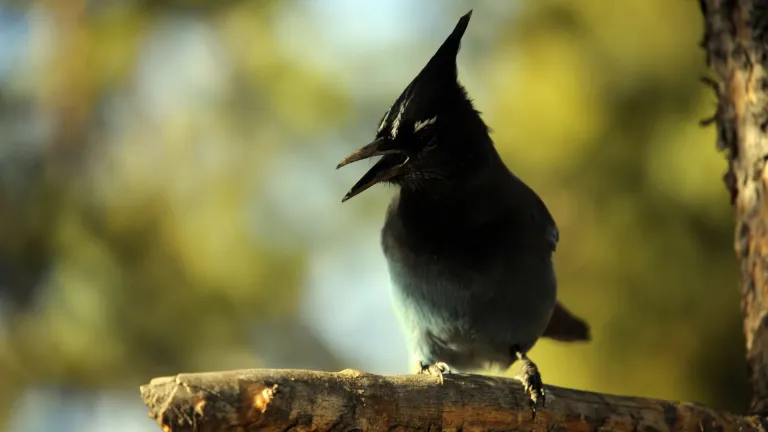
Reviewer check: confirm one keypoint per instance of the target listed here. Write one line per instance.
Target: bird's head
(431, 133)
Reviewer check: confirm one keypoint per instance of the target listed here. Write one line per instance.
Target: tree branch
(281, 400)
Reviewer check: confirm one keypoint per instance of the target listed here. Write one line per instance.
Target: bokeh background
(168, 198)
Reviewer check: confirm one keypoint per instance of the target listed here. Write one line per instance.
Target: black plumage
(468, 244)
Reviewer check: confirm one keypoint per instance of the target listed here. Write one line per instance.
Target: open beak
(387, 167)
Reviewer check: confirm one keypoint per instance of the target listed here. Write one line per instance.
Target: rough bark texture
(294, 400)
(735, 42)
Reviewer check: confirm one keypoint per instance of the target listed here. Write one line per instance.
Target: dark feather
(566, 327)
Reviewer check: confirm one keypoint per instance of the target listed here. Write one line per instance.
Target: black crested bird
(469, 245)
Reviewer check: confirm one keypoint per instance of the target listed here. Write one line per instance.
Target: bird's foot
(530, 377)
(437, 369)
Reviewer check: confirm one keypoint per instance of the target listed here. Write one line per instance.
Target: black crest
(418, 101)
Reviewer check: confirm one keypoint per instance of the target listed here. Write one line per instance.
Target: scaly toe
(530, 377)
(437, 369)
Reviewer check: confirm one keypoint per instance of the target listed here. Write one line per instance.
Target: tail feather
(566, 327)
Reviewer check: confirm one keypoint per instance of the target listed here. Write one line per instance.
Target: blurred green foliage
(136, 247)
(128, 252)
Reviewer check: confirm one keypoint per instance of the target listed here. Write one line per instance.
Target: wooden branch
(735, 38)
(293, 400)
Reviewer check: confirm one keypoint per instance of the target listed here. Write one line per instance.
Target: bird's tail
(566, 327)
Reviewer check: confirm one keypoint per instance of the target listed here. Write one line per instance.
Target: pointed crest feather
(450, 47)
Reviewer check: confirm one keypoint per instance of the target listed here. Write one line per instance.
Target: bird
(469, 246)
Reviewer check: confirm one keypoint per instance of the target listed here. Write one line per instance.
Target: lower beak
(386, 168)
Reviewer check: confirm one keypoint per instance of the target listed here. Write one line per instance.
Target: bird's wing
(538, 217)
(552, 234)
(544, 221)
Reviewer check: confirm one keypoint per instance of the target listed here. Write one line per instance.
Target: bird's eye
(422, 130)
(427, 141)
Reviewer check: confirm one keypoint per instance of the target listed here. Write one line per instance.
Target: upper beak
(384, 169)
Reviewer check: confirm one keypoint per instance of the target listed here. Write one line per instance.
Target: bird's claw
(530, 377)
(437, 369)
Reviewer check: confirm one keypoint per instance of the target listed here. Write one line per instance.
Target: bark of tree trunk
(735, 42)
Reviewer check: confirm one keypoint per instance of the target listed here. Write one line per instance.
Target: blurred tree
(134, 226)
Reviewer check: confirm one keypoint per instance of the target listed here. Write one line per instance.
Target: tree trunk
(735, 42)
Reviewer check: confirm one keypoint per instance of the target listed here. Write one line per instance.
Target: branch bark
(282, 400)
(736, 36)
(735, 41)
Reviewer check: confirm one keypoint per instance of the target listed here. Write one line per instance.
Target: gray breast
(435, 314)
(456, 317)
(467, 316)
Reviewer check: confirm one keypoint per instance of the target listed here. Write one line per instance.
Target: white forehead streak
(422, 124)
(396, 123)
(383, 121)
